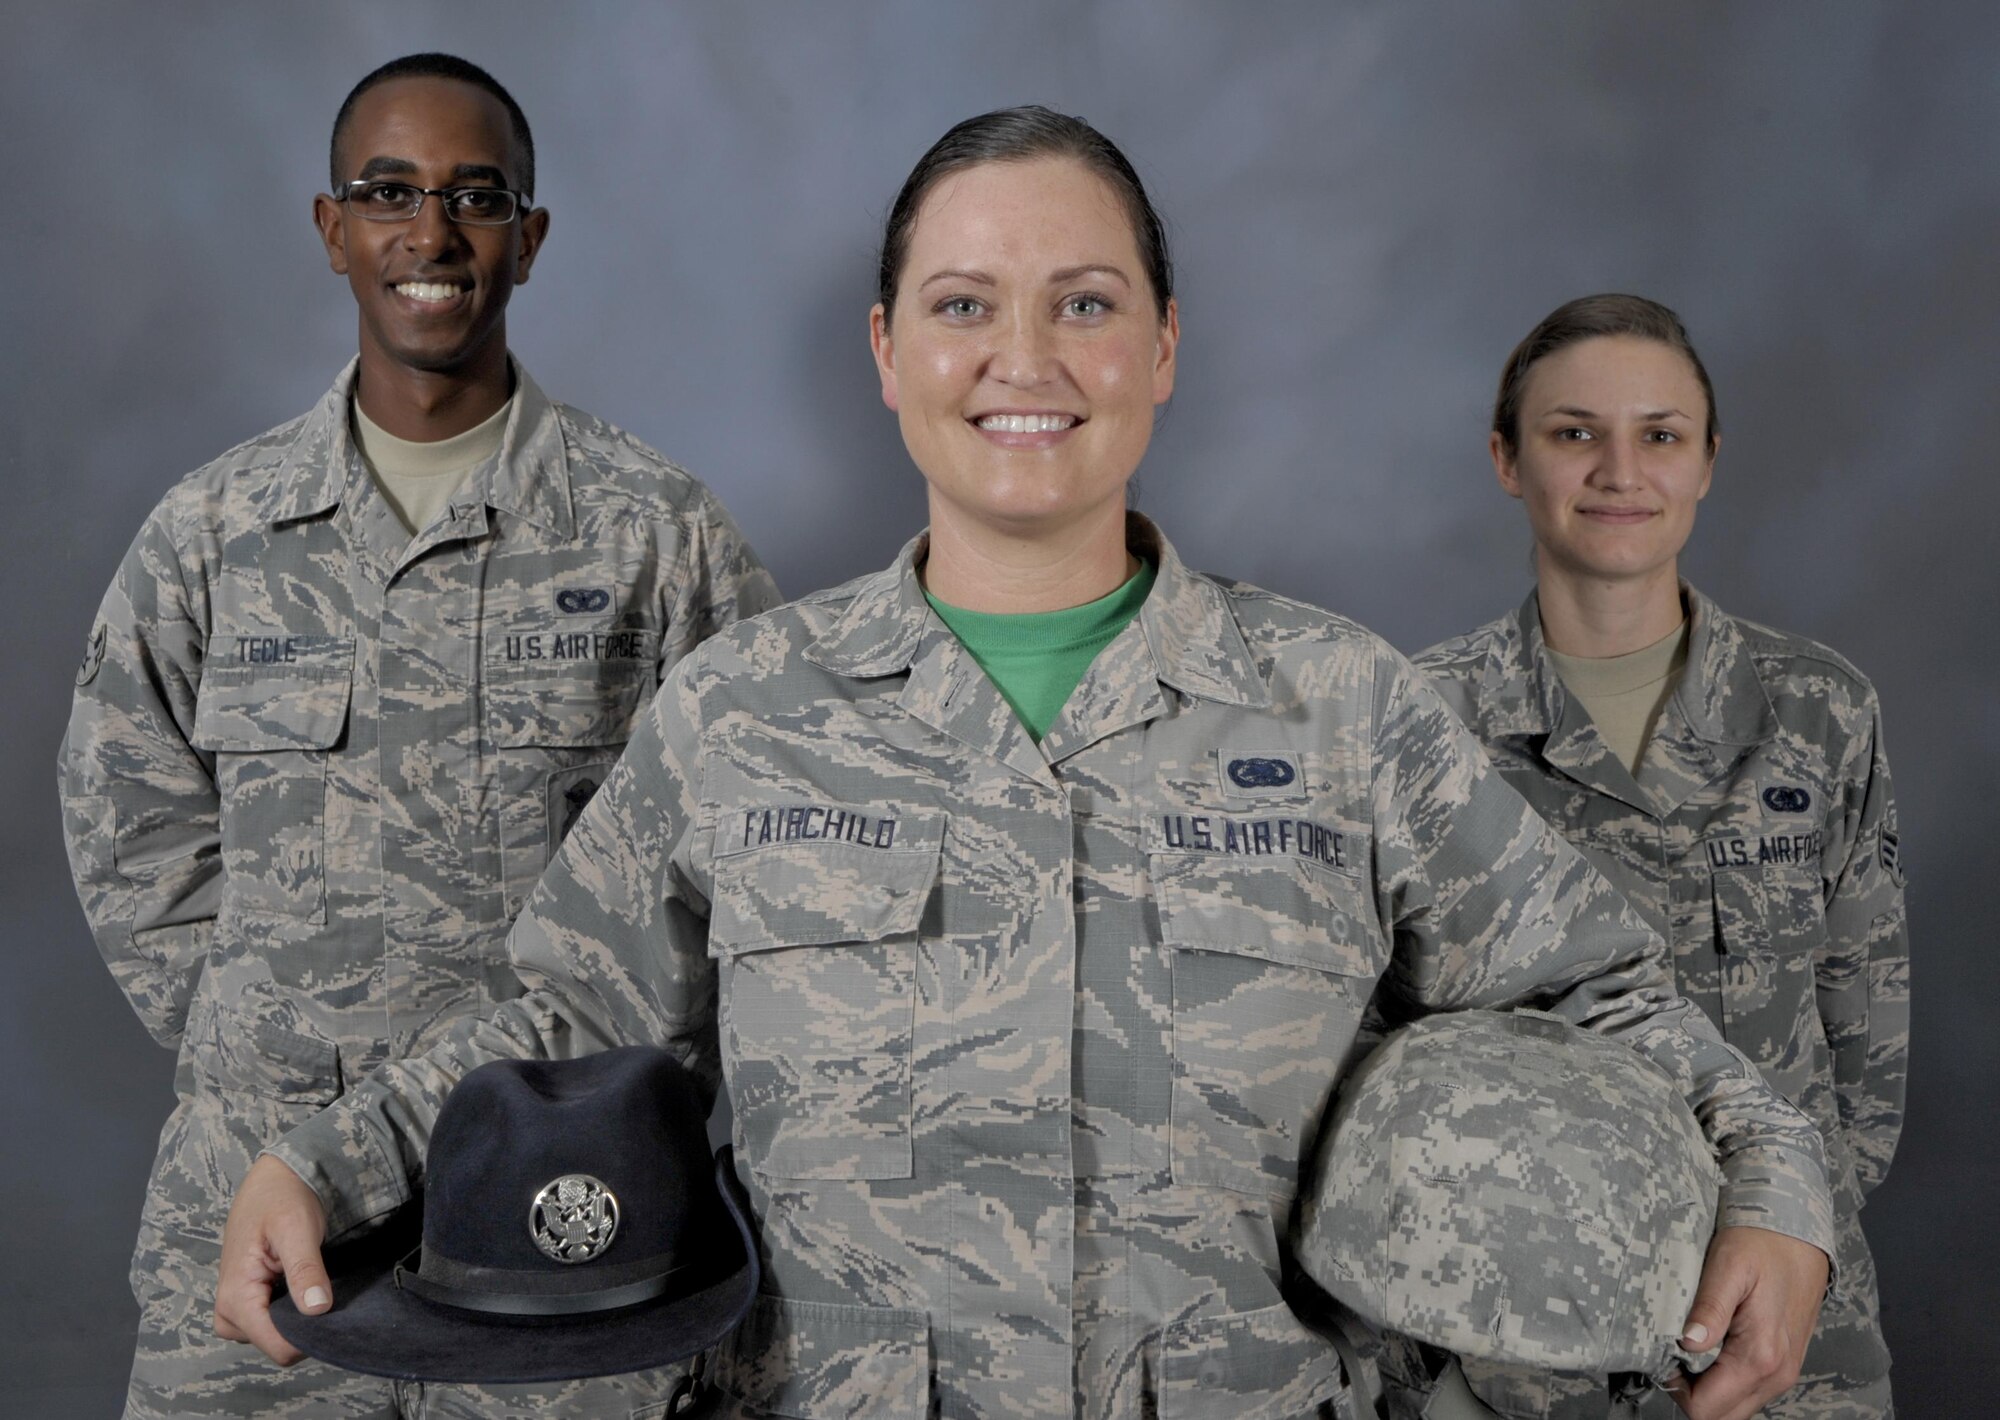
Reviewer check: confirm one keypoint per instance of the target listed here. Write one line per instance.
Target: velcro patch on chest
(1259, 773)
(282, 650)
(753, 826)
(1280, 836)
(618, 643)
(1786, 799)
(1801, 849)
(580, 601)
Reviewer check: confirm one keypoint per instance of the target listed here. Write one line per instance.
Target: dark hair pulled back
(1012, 135)
(1586, 318)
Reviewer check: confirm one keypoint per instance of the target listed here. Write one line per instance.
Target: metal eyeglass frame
(444, 195)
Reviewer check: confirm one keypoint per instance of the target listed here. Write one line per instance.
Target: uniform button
(1340, 924)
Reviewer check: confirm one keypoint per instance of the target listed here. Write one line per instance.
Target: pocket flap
(1284, 911)
(832, 873)
(826, 1361)
(1259, 1365)
(297, 704)
(590, 704)
(1742, 922)
(241, 1051)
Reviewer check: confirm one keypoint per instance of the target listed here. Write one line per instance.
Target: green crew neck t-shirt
(1037, 658)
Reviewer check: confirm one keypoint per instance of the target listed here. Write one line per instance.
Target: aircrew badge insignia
(1787, 799)
(93, 656)
(574, 1218)
(577, 600)
(1260, 774)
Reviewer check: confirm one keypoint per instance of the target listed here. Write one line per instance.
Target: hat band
(469, 1288)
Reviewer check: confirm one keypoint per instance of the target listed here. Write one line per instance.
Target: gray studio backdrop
(1370, 205)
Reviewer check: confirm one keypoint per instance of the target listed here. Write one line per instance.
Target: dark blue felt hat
(573, 1225)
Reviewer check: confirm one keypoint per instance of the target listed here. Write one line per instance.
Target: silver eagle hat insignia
(573, 1218)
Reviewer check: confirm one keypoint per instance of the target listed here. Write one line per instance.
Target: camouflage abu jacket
(1025, 1043)
(1761, 840)
(315, 765)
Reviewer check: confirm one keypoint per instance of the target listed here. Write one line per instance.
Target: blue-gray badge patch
(1787, 799)
(93, 656)
(1260, 774)
(579, 600)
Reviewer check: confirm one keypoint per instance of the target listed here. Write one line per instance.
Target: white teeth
(427, 290)
(1026, 423)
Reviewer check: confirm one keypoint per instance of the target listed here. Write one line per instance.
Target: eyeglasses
(401, 201)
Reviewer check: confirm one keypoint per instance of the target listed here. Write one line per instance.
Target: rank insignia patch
(93, 656)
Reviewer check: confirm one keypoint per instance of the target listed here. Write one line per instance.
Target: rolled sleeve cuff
(1783, 1191)
(344, 1161)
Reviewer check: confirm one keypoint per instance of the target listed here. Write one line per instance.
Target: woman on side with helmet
(1025, 897)
(1729, 779)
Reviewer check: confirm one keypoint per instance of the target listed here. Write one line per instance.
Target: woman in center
(1025, 896)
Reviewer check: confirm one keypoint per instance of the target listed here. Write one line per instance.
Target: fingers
(1725, 1282)
(1746, 1375)
(244, 1314)
(297, 1247)
(274, 1230)
(1759, 1296)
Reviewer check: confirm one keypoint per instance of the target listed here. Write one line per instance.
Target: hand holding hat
(573, 1224)
(273, 1235)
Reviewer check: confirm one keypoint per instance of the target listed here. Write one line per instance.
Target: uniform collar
(1717, 711)
(1188, 628)
(1721, 695)
(529, 478)
(1520, 692)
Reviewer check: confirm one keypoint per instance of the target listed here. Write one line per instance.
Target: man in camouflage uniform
(1761, 841)
(1026, 1042)
(316, 763)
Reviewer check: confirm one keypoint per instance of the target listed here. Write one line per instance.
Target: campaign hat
(573, 1224)
(1511, 1187)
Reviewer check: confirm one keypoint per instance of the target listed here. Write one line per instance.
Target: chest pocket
(270, 728)
(817, 940)
(1768, 924)
(556, 727)
(1272, 964)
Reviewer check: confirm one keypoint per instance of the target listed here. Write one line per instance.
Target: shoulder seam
(1337, 625)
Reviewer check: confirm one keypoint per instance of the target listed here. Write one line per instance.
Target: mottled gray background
(1371, 204)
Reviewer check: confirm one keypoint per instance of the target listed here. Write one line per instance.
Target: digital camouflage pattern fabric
(1026, 1044)
(1760, 838)
(1517, 1189)
(317, 765)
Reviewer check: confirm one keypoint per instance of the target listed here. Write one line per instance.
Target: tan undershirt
(1625, 694)
(419, 479)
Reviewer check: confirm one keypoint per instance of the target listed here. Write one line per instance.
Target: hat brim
(380, 1329)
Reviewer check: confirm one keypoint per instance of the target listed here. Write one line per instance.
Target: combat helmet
(1511, 1187)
